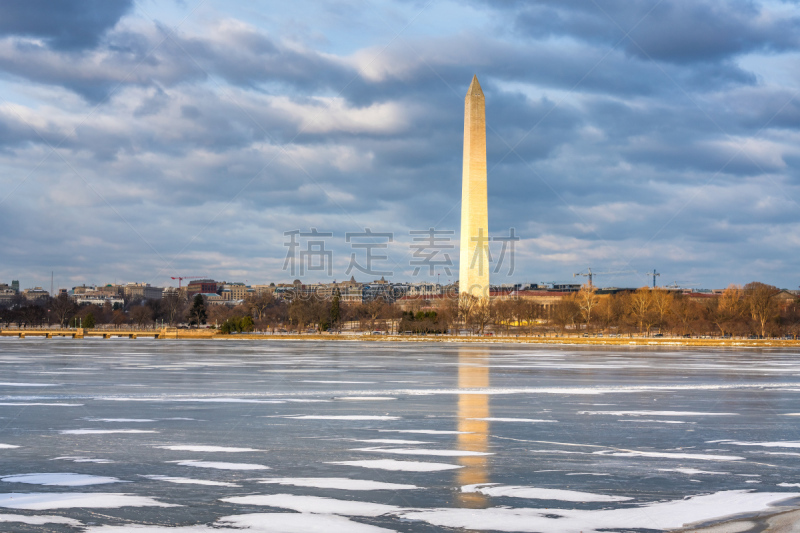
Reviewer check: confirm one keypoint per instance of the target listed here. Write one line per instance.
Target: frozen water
(505, 437)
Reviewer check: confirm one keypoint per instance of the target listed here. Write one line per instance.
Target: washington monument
(474, 252)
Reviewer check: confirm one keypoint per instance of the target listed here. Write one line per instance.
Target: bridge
(83, 333)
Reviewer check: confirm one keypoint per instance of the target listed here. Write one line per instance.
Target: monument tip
(475, 87)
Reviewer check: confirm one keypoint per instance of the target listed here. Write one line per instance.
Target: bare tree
(662, 304)
(641, 306)
(63, 308)
(259, 303)
(760, 301)
(141, 315)
(587, 300)
(482, 314)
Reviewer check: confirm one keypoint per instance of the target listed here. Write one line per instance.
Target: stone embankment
(207, 334)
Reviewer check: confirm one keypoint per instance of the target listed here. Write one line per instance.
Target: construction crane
(654, 277)
(589, 274)
(181, 278)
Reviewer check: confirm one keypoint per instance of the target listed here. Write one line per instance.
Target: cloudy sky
(144, 140)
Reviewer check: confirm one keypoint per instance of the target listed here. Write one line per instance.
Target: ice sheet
(402, 466)
(538, 493)
(337, 483)
(61, 479)
(38, 501)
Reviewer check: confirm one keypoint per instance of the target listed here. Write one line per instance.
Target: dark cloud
(65, 24)
(678, 31)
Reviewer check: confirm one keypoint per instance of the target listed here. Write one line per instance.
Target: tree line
(752, 310)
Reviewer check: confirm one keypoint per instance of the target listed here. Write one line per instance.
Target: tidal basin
(210, 436)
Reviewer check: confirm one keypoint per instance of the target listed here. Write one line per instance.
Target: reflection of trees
(473, 372)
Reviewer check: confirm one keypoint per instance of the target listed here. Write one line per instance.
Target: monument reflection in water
(473, 410)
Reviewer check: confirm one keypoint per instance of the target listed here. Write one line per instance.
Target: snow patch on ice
(10, 384)
(392, 441)
(220, 465)
(61, 479)
(775, 444)
(48, 404)
(103, 431)
(537, 493)
(690, 471)
(315, 504)
(205, 448)
(366, 398)
(398, 466)
(190, 481)
(296, 523)
(660, 515)
(423, 451)
(343, 417)
(39, 520)
(8, 446)
(655, 413)
(38, 501)
(512, 420)
(336, 483)
(425, 431)
(82, 460)
(120, 419)
(669, 455)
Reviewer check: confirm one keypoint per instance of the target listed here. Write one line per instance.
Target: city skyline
(157, 140)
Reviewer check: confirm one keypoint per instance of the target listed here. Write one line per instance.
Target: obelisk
(474, 251)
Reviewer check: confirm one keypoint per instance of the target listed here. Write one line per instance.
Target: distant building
(36, 293)
(15, 285)
(142, 291)
(7, 294)
(201, 286)
(236, 291)
(99, 300)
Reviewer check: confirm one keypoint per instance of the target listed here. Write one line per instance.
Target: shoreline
(176, 334)
(780, 521)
